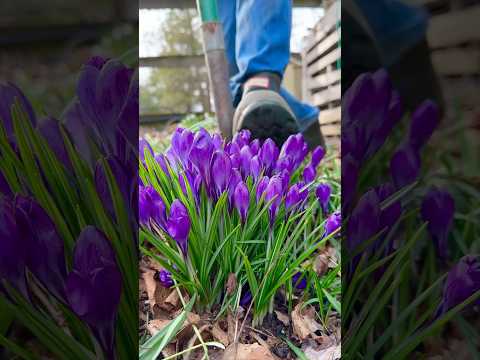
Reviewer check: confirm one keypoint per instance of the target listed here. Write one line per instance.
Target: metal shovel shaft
(217, 66)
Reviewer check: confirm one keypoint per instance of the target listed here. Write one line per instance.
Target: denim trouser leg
(257, 39)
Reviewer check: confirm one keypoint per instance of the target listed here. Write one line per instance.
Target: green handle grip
(208, 10)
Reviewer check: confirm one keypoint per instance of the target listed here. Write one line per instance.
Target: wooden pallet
(322, 74)
(454, 39)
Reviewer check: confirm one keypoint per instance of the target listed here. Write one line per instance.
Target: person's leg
(227, 10)
(305, 113)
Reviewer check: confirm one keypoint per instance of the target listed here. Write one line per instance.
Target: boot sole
(266, 115)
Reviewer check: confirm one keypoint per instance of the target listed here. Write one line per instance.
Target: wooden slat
(324, 26)
(465, 61)
(323, 62)
(330, 116)
(184, 4)
(331, 40)
(328, 95)
(180, 61)
(462, 92)
(455, 28)
(321, 81)
(331, 130)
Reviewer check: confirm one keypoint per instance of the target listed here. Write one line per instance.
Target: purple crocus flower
(217, 142)
(405, 166)
(268, 155)
(122, 180)
(9, 94)
(178, 225)
(142, 145)
(273, 195)
(333, 222)
(438, 208)
(220, 171)
(151, 207)
(293, 197)
(235, 178)
(349, 181)
(182, 141)
(163, 162)
(44, 248)
(242, 199)
(323, 193)
(364, 222)
(298, 281)
(463, 281)
(425, 119)
(309, 174)
(255, 167)
(392, 213)
(201, 152)
(50, 130)
(285, 163)
(165, 278)
(12, 249)
(246, 297)
(4, 187)
(245, 160)
(94, 286)
(255, 146)
(317, 155)
(293, 148)
(262, 186)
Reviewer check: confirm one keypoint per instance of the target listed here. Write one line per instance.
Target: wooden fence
(322, 74)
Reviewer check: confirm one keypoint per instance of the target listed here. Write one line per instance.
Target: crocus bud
(298, 281)
(438, 208)
(178, 225)
(262, 186)
(217, 142)
(182, 141)
(317, 155)
(50, 130)
(309, 174)
(245, 160)
(151, 207)
(323, 193)
(274, 192)
(255, 167)
(285, 163)
(405, 166)
(333, 222)
(44, 248)
(94, 286)
(463, 281)
(142, 146)
(201, 152)
(165, 278)
(424, 121)
(220, 171)
(163, 162)
(242, 138)
(392, 213)
(293, 197)
(364, 222)
(255, 146)
(269, 154)
(242, 199)
(12, 250)
(246, 297)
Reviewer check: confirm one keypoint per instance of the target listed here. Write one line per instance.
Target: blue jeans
(257, 39)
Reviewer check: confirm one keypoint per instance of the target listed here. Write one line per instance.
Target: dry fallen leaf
(231, 284)
(282, 318)
(304, 323)
(220, 335)
(171, 303)
(156, 325)
(331, 353)
(248, 352)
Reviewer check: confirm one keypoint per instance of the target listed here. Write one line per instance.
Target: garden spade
(217, 66)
